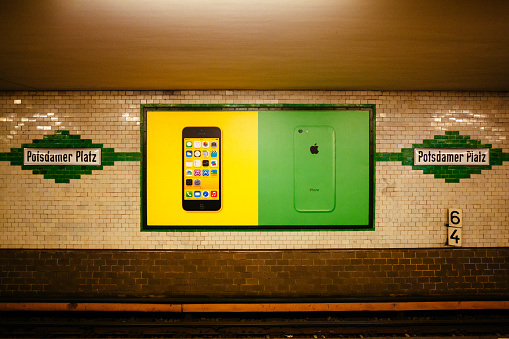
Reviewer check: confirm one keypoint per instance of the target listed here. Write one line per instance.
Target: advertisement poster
(260, 170)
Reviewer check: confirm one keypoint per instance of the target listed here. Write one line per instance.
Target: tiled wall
(102, 210)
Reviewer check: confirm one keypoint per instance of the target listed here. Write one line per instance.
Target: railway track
(97, 325)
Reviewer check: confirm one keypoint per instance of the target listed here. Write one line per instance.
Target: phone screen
(201, 168)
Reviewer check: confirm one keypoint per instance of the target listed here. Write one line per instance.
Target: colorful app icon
(213, 194)
(189, 154)
(197, 182)
(197, 194)
(205, 153)
(189, 173)
(189, 194)
(213, 154)
(197, 144)
(197, 163)
(213, 163)
(189, 144)
(197, 172)
(205, 173)
(189, 164)
(213, 144)
(205, 194)
(205, 163)
(197, 153)
(205, 144)
(189, 182)
(213, 172)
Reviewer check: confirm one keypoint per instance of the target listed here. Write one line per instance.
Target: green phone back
(314, 169)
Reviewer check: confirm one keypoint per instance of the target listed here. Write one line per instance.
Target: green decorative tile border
(451, 139)
(63, 139)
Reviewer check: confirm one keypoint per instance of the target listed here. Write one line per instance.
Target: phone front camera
(300, 131)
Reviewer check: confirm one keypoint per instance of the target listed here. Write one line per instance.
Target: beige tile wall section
(102, 210)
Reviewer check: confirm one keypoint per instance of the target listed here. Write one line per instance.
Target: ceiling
(254, 44)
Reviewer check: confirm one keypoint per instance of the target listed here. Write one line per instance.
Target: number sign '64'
(454, 236)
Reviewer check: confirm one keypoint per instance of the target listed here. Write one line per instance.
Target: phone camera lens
(300, 130)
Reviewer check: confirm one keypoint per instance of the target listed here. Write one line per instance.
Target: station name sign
(62, 156)
(451, 157)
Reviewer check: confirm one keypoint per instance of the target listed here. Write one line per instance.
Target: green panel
(275, 167)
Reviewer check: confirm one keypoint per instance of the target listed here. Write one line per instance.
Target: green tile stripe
(451, 139)
(63, 139)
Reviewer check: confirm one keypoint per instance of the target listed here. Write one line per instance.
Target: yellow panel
(239, 168)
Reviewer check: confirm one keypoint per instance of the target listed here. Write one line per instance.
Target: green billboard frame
(368, 226)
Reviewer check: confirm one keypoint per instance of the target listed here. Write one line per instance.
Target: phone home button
(202, 206)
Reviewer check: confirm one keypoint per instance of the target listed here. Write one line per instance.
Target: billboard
(257, 167)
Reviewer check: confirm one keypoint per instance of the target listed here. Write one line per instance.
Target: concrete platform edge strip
(253, 307)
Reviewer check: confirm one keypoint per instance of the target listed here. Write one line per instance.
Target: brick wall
(101, 210)
(437, 273)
